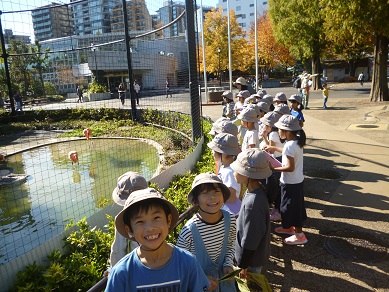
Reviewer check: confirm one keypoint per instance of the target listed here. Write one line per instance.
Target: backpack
(297, 83)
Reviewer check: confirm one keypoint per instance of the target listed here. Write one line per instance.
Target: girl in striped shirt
(210, 234)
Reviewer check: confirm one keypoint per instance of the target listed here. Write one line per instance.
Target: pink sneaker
(281, 230)
(275, 216)
(295, 240)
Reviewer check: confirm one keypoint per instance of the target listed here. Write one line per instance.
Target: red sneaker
(295, 240)
(281, 230)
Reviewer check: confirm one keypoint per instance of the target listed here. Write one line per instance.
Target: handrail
(100, 286)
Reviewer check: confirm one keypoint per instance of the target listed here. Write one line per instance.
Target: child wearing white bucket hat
(293, 213)
(126, 184)
(225, 148)
(148, 217)
(229, 105)
(248, 117)
(210, 233)
(252, 245)
(295, 109)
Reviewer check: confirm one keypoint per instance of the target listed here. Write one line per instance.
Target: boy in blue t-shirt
(147, 217)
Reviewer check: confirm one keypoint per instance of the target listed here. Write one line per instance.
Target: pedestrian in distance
(361, 78)
(137, 91)
(292, 207)
(210, 233)
(19, 101)
(252, 245)
(79, 93)
(147, 218)
(167, 87)
(122, 93)
(325, 90)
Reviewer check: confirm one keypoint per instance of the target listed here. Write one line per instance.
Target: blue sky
(21, 23)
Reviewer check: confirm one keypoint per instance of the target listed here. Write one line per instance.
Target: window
(238, 8)
(252, 14)
(243, 16)
(264, 3)
(251, 5)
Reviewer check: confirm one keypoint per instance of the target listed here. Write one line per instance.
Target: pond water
(56, 190)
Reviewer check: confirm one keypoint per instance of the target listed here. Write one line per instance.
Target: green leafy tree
(298, 25)
(20, 62)
(216, 37)
(39, 61)
(359, 20)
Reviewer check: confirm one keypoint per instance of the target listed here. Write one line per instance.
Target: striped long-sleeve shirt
(212, 235)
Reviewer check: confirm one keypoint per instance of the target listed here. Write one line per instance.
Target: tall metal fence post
(192, 62)
(129, 62)
(7, 75)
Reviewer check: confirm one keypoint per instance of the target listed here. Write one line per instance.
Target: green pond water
(56, 190)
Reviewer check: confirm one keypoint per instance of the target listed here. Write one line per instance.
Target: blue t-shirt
(181, 273)
(298, 114)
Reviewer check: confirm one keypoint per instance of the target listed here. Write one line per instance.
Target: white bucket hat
(138, 196)
(295, 97)
(248, 114)
(209, 178)
(252, 163)
(270, 119)
(228, 127)
(289, 123)
(249, 100)
(243, 93)
(241, 81)
(216, 126)
(261, 93)
(228, 94)
(282, 109)
(268, 99)
(225, 143)
(263, 106)
(126, 184)
(280, 96)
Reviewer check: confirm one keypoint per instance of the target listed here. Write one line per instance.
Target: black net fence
(77, 97)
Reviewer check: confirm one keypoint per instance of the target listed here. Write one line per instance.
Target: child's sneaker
(275, 216)
(281, 230)
(295, 240)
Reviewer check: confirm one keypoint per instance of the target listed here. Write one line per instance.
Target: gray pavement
(346, 163)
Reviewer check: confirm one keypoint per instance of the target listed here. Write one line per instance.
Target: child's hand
(268, 148)
(243, 274)
(213, 283)
(228, 270)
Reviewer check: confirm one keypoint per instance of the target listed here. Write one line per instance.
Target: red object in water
(73, 155)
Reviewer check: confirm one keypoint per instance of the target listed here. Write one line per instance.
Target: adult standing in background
(79, 93)
(137, 91)
(168, 88)
(18, 101)
(361, 78)
(122, 93)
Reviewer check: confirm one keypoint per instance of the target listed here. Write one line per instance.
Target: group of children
(231, 227)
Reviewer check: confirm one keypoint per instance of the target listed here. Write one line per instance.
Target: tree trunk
(316, 70)
(352, 67)
(379, 86)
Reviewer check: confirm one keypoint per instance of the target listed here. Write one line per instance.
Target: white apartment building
(244, 10)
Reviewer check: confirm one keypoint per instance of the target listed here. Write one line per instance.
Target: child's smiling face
(211, 201)
(150, 228)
